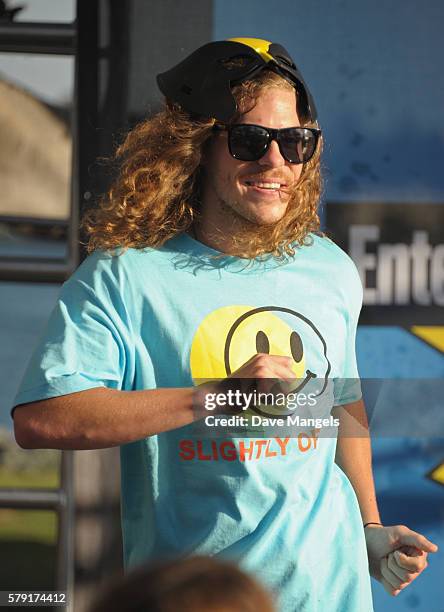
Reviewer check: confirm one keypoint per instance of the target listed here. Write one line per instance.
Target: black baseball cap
(201, 83)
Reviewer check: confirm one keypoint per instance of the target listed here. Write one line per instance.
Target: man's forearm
(102, 417)
(353, 456)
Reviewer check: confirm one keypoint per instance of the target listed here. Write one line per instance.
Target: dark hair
(195, 584)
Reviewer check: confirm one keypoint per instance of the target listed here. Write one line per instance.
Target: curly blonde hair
(156, 193)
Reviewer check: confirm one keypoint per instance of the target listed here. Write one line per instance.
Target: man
(207, 264)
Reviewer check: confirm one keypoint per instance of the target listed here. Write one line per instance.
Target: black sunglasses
(249, 142)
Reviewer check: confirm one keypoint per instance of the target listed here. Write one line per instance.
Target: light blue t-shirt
(170, 317)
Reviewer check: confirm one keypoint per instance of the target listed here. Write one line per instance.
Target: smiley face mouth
(308, 377)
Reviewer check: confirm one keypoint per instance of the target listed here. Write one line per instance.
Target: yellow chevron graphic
(433, 334)
(437, 474)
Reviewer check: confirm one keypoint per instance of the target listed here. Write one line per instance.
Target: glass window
(36, 93)
(50, 11)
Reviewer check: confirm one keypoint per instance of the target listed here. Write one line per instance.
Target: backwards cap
(202, 82)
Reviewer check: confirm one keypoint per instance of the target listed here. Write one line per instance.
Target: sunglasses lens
(298, 144)
(248, 142)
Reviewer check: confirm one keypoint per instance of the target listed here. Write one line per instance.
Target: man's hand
(266, 373)
(262, 372)
(397, 555)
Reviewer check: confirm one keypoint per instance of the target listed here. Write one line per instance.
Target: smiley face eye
(297, 350)
(262, 342)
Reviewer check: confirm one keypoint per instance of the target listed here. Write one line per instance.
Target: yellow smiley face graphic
(229, 336)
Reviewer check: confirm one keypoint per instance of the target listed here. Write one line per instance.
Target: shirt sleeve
(86, 341)
(347, 389)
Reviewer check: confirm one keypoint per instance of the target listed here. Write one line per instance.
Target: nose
(273, 157)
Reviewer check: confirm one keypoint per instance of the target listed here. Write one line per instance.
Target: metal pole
(49, 38)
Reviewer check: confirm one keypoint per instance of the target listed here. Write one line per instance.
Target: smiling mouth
(266, 185)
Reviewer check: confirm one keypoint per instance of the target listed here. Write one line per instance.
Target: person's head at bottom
(195, 584)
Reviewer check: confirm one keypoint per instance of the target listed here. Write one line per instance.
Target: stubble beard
(239, 222)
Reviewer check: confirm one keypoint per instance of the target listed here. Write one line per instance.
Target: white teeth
(265, 185)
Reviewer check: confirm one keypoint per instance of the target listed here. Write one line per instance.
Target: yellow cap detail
(259, 45)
